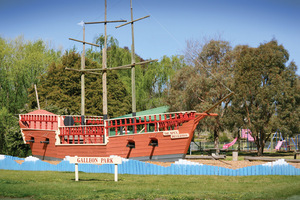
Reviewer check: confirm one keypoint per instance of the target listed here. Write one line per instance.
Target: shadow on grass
(96, 180)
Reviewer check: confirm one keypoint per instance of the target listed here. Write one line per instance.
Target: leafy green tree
(11, 141)
(287, 108)
(152, 79)
(60, 88)
(201, 85)
(266, 90)
(21, 63)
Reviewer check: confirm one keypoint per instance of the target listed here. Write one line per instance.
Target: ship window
(131, 144)
(31, 140)
(153, 142)
(47, 141)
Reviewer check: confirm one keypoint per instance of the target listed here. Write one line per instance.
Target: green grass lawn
(61, 185)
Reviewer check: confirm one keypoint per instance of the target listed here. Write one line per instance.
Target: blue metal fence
(142, 168)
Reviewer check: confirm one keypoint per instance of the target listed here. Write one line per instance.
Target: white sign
(96, 160)
(178, 136)
(168, 133)
(175, 134)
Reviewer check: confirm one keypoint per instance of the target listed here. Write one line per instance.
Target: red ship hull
(164, 144)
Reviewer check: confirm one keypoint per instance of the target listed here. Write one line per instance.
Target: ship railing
(39, 121)
(82, 134)
(82, 120)
(52, 122)
(148, 123)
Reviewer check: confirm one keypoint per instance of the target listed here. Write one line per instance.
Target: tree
(201, 85)
(266, 91)
(21, 63)
(60, 88)
(152, 79)
(11, 141)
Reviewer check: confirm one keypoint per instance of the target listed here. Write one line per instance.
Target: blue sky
(172, 22)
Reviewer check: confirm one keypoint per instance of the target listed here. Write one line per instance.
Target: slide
(226, 146)
(278, 145)
(247, 134)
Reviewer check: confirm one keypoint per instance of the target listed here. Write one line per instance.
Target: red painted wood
(116, 145)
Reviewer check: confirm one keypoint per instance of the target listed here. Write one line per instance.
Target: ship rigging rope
(189, 52)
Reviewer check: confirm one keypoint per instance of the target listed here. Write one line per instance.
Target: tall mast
(104, 60)
(132, 58)
(82, 67)
(104, 68)
(82, 75)
(132, 67)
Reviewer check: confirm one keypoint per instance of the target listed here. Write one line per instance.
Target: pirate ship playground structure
(164, 137)
(159, 136)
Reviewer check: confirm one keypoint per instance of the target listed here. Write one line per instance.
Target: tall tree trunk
(239, 140)
(216, 135)
(261, 142)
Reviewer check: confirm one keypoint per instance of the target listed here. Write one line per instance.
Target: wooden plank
(83, 71)
(84, 42)
(219, 102)
(102, 22)
(195, 157)
(123, 66)
(132, 21)
(250, 158)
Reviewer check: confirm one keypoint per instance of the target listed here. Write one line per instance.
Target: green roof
(153, 111)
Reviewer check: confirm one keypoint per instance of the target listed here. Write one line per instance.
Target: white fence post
(116, 172)
(76, 170)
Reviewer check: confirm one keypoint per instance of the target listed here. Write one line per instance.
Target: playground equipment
(247, 134)
(246, 139)
(226, 146)
(288, 143)
(279, 144)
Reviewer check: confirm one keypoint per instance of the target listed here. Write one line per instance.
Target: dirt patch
(19, 161)
(221, 163)
(48, 161)
(52, 162)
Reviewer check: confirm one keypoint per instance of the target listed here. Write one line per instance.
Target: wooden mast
(104, 61)
(82, 75)
(82, 68)
(132, 67)
(104, 68)
(104, 64)
(133, 58)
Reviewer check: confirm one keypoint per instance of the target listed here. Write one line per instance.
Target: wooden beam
(250, 158)
(104, 66)
(197, 157)
(37, 97)
(84, 42)
(124, 66)
(219, 102)
(82, 75)
(102, 22)
(83, 71)
(133, 21)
